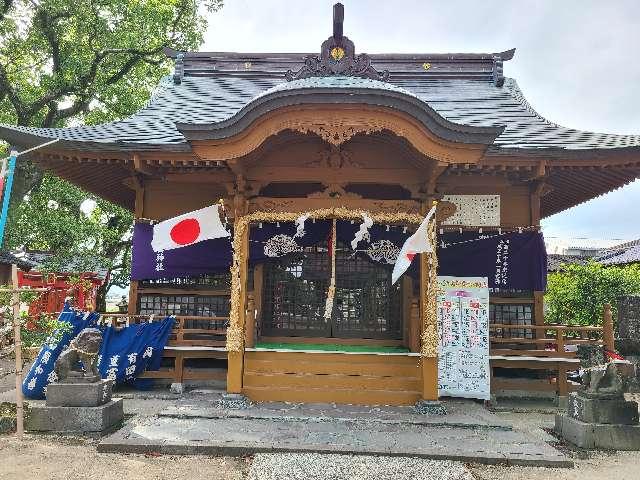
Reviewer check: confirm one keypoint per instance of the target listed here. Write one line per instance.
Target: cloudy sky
(576, 61)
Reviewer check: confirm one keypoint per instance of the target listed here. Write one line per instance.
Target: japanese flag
(187, 229)
(416, 243)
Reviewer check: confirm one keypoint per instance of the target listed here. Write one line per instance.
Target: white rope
(31, 149)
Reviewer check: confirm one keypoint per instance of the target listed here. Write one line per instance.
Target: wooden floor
(354, 378)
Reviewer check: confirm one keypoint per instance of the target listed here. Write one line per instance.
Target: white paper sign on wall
(463, 331)
(474, 210)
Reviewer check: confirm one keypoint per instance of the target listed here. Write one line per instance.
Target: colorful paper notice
(463, 331)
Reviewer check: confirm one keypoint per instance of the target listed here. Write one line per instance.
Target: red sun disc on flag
(185, 231)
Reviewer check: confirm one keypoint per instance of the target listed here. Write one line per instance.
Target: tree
(87, 61)
(576, 295)
(94, 237)
(66, 62)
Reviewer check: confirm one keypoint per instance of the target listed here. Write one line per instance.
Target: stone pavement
(193, 425)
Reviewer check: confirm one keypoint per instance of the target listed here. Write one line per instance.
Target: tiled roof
(632, 255)
(458, 97)
(212, 99)
(8, 258)
(625, 253)
(39, 259)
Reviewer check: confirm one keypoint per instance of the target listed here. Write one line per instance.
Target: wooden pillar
(537, 189)
(430, 378)
(429, 364)
(538, 314)
(132, 308)
(235, 357)
(407, 300)
(428, 331)
(250, 323)
(414, 326)
(563, 385)
(138, 213)
(607, 328)
(258, 275)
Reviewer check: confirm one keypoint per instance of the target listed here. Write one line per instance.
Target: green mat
(331, 347)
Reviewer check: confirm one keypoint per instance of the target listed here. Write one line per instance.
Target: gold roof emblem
(337, 53)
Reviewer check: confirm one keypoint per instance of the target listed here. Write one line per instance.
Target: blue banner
(41, 373)
(127, 352)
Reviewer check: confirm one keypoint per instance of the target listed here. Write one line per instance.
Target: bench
(188, 341)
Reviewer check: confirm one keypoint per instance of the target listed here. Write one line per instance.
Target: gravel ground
(59, 458)
(311, 466)
(599, 466)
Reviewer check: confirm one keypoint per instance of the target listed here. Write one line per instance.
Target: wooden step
(332, 368)
(321, 395)
(332, 381)
(388, 359)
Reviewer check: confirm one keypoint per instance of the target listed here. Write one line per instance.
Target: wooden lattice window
(512, 314)
(295, 289)
(201, 296)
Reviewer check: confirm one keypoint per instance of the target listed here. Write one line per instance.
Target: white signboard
(463, 331)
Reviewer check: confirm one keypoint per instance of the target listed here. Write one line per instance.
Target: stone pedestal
(79, 394)
(613, 410)
(77, 408)
(76, 419)
(600, 422)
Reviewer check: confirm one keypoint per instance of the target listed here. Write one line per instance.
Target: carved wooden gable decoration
(337, 57)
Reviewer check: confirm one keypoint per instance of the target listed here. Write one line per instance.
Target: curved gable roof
(341, 90)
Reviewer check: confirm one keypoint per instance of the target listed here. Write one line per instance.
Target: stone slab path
(199, 428)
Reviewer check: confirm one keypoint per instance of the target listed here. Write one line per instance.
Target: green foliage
(33, 331)
(50, 219)
(90, 60)
(576, 295)
(68, 62)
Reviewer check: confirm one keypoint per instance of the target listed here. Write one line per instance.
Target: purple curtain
(211, 256)
(510, 261)
(515, 261)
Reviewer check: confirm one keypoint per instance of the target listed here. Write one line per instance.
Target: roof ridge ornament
(178, 72)
(498, 71)
(337, 57)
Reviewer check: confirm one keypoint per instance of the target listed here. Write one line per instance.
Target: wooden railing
(206, 337)
(552, 340)
(548, 350)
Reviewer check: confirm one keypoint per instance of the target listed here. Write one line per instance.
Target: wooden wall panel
(167, 199)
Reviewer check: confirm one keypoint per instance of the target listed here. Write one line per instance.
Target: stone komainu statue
(83, 348)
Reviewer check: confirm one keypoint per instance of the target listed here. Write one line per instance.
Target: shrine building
(331, 137)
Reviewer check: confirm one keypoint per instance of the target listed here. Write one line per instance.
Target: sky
(576, 62)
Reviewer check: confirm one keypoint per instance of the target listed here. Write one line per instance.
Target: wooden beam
(341, 121)
(141, 166)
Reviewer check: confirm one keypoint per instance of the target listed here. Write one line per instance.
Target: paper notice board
(463, 331)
